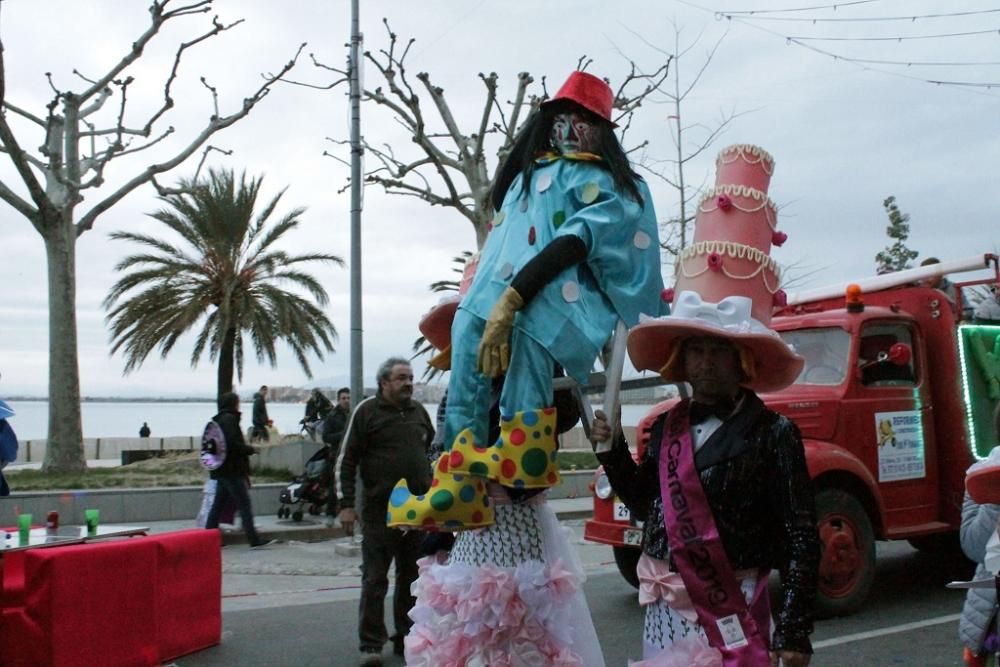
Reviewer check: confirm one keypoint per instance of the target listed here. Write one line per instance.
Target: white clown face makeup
(572, 132)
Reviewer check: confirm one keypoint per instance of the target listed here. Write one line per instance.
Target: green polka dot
(411, 515)
(548, 430)
(590, 192)
(534, 462)
(479, 468)
(442, 500)
(558, 218)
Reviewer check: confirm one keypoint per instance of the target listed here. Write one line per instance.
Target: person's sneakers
(263, 543)
(371, 657)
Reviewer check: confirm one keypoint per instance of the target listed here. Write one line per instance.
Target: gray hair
(385, 369)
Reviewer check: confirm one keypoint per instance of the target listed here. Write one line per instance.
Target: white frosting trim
(764, 262)
(732, 190)
(748, 153)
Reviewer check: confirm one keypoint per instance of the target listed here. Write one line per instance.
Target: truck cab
(893, 404)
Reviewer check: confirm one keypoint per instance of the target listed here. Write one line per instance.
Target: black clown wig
(534, 139)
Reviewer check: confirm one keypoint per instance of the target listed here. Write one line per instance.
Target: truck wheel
(627, 558)
(847, 564)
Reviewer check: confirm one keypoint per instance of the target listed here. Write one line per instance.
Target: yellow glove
(494, 348)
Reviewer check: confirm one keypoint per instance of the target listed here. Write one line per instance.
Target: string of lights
(802, 9)
(895, 38)
(860, 19)
(863, 63)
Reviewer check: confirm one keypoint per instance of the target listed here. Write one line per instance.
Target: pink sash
(697, 552)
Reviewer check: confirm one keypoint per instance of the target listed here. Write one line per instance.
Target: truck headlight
(602, 487)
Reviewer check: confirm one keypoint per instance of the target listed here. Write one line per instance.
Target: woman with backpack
(233, 475)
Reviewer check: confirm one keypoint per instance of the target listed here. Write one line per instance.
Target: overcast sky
(844, 137)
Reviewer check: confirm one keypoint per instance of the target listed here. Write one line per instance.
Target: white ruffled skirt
(510, 594)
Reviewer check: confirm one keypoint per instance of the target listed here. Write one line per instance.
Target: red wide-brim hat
(983, 484)
(436, 324)
(590, 92)
(653, 343)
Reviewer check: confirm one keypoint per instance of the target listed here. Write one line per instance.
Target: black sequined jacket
(753, 471)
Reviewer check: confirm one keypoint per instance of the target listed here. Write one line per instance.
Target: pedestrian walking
(387, 439)
(259, 417)
(233, 476)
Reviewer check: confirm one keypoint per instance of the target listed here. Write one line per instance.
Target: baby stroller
(311, 487)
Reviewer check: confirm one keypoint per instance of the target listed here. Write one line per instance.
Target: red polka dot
(548, 411)
(429, 523)
(477, 517)
(479, 449)
(457, 459)
(508, 468)
(517, 437)
(435, 481)
(552, 478)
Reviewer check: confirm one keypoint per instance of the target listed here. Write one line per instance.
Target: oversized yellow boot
(455, 501)
(524, 456)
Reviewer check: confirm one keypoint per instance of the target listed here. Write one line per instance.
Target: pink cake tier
(746, 164)
(717, 269)
(737, 213)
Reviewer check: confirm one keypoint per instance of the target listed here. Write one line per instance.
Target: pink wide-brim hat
(652, 343)
(590, 92)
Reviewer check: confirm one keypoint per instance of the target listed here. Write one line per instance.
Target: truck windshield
(826, 352)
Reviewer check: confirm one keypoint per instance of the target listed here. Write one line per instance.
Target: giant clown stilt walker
(573, 248)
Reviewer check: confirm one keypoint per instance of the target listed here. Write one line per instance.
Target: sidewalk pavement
(312, 563)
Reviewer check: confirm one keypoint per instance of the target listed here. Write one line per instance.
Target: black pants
(235, 488)
(379, 547)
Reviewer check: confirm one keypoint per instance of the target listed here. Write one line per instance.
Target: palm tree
(227, 276)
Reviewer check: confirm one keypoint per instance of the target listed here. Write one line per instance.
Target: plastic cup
(92, 517)
(23, 527)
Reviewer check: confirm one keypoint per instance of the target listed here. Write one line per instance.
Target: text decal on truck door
(900, 444)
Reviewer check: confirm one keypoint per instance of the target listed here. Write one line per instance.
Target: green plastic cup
(23, 527)
(93, 518)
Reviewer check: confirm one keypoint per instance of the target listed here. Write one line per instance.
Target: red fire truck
(894, 403)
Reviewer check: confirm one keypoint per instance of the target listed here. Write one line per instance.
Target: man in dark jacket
(333, 432)
(387, 439)
(234, 473)
(260, 420)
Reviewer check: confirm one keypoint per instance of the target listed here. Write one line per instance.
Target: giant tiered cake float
(728, 265)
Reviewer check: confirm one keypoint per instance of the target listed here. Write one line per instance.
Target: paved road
(296, 604)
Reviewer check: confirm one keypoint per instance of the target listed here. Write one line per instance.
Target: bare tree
(690, 138)
(72, 158)
(451, 167)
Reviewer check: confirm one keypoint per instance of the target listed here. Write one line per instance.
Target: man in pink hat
(722, 486)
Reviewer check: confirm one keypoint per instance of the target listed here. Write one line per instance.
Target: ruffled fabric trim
(467, 616)
(691, 651)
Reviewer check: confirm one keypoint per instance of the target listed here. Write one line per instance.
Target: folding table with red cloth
(135, 601)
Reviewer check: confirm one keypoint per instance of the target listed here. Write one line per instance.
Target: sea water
(122, 419)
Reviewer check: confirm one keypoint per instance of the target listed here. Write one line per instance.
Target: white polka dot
(497, 221)
(544, 182)
(570, 291)
(641, 240)
(590, 192)
(524, 204)
(506, 271)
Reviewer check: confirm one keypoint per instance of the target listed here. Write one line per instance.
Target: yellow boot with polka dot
(455, 501)
(523, 457)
